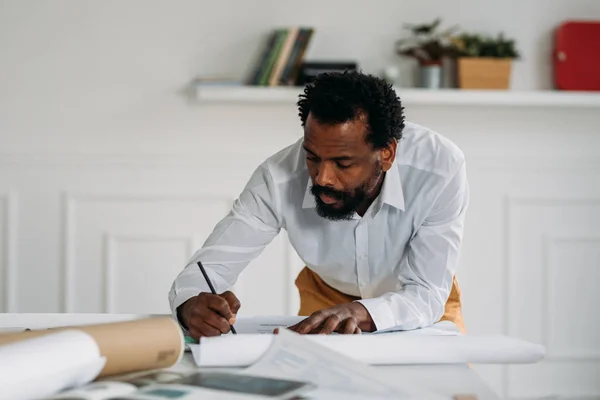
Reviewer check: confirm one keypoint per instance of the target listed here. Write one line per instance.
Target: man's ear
(388, 155)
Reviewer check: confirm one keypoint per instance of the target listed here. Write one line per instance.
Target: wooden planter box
(484, 73)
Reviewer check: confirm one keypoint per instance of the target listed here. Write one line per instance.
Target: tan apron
(316, 295)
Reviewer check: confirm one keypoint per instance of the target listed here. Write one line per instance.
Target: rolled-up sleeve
(427, 270)
(237, 239)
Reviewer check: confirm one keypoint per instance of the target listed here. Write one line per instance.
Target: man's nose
(325, 175)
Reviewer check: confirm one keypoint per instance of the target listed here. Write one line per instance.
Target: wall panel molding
(71, 203)
(552, 355)
(110, 256)
(120, 161)
(10, 213)
(254, 158)
(511, 201)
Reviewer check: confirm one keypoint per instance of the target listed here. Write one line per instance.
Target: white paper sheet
(384, 349)
(264, 323)
(268, 323)
(292, 356)
(42, 366)
(443, 328)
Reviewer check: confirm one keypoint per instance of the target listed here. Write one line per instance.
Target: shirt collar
(309, 199)
(391, 191)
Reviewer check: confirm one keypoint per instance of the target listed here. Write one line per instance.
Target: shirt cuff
(380, 311)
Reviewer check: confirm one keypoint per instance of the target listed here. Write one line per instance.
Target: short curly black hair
(337, 97)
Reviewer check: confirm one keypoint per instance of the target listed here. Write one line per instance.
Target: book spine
(266, 72)
(298, 62)
(283, 57)
(262, 60)
(289, 66)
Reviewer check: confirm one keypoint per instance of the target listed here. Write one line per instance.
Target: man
(374, 206)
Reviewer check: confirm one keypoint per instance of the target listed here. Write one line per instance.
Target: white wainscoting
(8, 249)
(108, 232)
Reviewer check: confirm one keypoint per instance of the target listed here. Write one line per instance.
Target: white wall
(76, 75)
(109, 178)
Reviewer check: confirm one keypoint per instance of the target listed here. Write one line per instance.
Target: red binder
(577, 56)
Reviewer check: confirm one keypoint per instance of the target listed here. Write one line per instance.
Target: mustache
(317, 190)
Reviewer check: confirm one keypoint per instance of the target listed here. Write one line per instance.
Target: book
(290, 75)
(281, 58)
(267, 68)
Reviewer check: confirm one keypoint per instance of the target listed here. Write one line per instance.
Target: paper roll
(40, 366)
(130, 346)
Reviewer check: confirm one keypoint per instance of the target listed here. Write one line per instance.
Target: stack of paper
(334, 375)
(439, 344)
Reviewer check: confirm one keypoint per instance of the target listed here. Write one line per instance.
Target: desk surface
(445, 380)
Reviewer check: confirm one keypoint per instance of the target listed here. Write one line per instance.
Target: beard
(350, 200)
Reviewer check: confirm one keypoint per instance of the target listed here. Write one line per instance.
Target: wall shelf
(410, 96)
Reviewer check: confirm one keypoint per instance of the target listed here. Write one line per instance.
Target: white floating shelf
(410, 96)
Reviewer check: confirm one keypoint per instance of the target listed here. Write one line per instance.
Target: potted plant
(429, 47)
(484, 62)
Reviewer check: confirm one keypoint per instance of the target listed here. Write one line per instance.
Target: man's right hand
(209, 314)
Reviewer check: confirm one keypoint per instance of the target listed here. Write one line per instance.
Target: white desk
(446, 380)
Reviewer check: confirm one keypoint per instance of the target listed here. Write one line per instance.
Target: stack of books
(281, 59)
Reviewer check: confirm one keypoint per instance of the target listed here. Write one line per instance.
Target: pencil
(212, 289)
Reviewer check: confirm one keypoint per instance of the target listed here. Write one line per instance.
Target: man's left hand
(349, 318)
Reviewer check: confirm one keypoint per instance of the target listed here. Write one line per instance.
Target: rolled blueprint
(128, 346)
(41, 366)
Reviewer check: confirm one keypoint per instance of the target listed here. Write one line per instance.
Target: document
(380, 349)
(40, 366)
(293, 356)
(268, 323)
(264, 323)
(443, 328)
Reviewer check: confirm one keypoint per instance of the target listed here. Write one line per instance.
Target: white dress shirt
(399, 258)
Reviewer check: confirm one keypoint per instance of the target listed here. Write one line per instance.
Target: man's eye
(312, 159)
(344, 166)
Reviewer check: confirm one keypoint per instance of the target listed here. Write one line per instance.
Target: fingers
(294, 327)
(208, 322)
(208, 316)
(349, 326)
(199, 328)
(202, 329)
(219, 305)
(309, 324)
(233, 301)
(331, 324)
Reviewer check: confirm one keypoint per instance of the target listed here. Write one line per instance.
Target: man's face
(343, 166)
